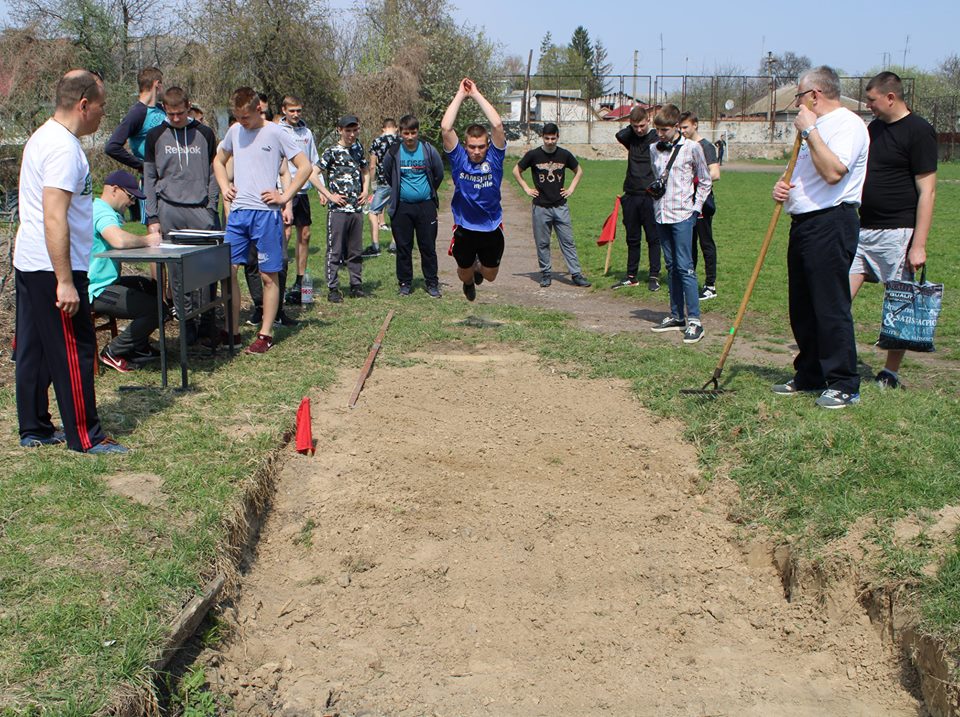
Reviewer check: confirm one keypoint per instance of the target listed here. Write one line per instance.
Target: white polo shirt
(53, 157)
(847, 137)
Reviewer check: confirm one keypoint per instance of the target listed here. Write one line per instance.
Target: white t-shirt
(257, 155)
(846, 136)
(53, 157)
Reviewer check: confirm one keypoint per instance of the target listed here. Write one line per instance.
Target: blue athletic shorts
(262, 227)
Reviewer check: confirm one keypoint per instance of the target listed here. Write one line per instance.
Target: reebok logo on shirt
(181, 150)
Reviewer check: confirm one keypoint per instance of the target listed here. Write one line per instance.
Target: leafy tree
(429, 50)
(784, 68)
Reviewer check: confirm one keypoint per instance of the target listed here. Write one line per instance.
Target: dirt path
(483, 535)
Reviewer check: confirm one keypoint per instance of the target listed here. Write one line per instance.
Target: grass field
(89, 579)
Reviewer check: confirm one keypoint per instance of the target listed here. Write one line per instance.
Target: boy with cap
(122, 297)
(346, 187)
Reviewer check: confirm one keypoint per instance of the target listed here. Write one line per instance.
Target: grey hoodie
(177, 167)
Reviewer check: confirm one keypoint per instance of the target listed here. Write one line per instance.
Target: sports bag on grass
(910, 311)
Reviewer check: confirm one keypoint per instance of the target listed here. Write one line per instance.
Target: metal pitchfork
(714, 380)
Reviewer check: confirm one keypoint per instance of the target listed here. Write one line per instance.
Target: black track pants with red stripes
(54, 348)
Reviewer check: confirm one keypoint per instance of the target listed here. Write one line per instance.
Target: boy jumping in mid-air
(477, 170)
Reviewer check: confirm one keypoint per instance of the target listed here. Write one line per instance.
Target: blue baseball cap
(125, 180)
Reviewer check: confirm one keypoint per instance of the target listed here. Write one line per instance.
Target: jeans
(676, 240)
(545, 220)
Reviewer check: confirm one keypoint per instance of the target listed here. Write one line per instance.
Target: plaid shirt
(683, 198)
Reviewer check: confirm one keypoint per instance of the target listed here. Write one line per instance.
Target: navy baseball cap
(348, 120)
(125, 180)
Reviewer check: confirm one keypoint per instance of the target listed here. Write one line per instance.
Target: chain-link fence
(944, 114)
(755, 112)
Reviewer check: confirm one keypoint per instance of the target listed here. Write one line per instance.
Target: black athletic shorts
(468, 246)
(301, 211)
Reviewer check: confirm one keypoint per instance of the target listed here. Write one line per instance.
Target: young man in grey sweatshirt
(182, 192)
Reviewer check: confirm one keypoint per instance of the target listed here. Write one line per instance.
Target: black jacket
(391, 170)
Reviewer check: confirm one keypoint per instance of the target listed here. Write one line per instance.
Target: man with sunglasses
(822, 199)
(55, 337)
(122, 297)
(180, 187)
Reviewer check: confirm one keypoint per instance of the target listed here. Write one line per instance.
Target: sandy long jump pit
(483, 535)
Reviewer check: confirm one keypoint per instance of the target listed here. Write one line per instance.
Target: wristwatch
(804, 133)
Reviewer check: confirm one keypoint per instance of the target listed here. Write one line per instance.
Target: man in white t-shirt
(822, 199)
(55, 337)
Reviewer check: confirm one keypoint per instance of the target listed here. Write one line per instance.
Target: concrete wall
(745, 140)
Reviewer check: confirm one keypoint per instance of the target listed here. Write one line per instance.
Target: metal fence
(712, 97)
(944, 114)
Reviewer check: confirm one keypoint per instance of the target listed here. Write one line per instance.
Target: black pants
(55, 348)
(703, 233)
(638, 218)
(135, 298)
(251, 270)
(821, 249)
(419, 219)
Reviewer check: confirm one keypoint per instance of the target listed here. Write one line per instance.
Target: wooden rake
(712, 386)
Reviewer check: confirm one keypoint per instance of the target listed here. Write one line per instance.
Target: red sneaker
(118, 363)
(262, 344)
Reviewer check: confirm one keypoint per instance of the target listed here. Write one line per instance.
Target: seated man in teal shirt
(122, 297)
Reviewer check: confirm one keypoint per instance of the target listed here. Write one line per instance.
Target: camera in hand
(657, 189)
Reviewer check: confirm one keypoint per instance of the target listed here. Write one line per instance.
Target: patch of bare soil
(484, 536)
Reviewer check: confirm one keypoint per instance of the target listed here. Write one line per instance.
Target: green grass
(89, 579)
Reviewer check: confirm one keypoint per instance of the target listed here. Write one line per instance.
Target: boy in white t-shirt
(258, 149)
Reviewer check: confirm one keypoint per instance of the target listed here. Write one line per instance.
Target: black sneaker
(477, 278)
(790, 389)
(834, 399)
(356, 292)
(545, 280)
(293, 296)
(653, 283)
(284, 320)
(709, 292)
(470, 291)
(142, 355)
(334, 296)
(669, 324)
(693, 333)
(886, 379)
(580, 280)
(370, 252)
(405, 289)
(434, 291)
(628, 282)
(256, 316)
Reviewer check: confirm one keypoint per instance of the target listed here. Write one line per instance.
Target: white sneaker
(709, 292)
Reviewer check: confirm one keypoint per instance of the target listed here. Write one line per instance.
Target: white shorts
(882, 254)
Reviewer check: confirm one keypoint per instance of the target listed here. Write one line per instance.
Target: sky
(730, 33)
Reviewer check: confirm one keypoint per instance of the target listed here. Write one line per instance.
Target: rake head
(710, 388)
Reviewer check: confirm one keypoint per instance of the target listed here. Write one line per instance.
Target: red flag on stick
(304, 428)
(609, 231)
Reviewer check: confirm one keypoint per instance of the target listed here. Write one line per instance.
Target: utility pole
(661, 65)
(906, 44)
(633, 97)
(524, 110)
